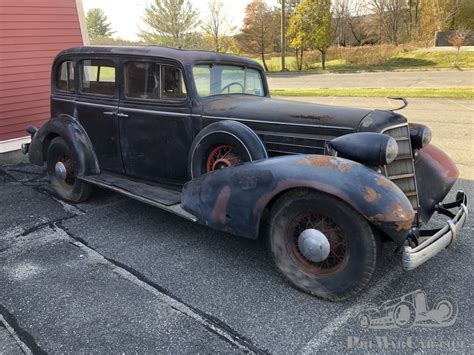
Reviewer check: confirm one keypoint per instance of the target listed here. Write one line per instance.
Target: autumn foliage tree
(310, 27)
(257, 34)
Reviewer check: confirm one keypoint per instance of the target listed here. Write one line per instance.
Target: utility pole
(283, 44)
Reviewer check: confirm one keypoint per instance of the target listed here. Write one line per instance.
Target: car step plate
(154, 195)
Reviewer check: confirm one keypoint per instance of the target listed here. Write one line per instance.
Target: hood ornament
(405, 103)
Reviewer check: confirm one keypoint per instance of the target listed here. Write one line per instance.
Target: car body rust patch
(218, 213)
(325, 161)
(371, 195)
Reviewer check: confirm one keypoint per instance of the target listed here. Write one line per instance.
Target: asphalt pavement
(114, 275)
(433, 79)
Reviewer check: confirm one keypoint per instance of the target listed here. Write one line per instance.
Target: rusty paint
(402, 218)
(382, 181)
(218, 213)
(325, 161)
(371, 195)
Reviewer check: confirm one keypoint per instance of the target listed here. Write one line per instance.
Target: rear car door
(156, 129)
(97, 105)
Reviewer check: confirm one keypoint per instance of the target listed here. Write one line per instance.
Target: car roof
(186, 57)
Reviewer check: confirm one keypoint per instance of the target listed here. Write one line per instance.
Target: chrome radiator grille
(402, 170)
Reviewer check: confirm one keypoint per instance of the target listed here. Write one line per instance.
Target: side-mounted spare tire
(224, 144)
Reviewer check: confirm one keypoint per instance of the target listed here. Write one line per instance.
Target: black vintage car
(197, 134)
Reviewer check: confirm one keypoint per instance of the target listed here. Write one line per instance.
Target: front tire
(354, 248)
(68, 187)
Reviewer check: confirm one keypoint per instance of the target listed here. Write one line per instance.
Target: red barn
(32, 32)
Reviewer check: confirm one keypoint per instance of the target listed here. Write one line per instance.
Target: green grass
(402, 61)
(457, 92)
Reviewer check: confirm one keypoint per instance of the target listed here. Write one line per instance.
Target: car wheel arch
(69, 129)
(237, 131)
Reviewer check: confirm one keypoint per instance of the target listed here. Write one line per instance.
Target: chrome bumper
(433, 241)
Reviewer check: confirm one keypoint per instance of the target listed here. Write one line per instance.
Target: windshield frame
(257, 68)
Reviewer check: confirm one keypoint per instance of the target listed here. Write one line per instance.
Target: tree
(217, 25)
(170, 22)
(458, 39)
(257, 33)
(97, 24)
(310, 27)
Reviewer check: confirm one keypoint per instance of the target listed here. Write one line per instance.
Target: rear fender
(75, 136)
(234, 199)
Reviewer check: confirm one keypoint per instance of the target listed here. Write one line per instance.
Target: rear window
(65, 77)
(98, 77)
(153, 81)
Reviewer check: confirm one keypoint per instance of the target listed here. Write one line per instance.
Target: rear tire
(354, 248)
(70, 189)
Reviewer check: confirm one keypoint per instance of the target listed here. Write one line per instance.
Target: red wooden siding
(32, 32)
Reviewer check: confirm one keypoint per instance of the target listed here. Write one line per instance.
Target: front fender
(234, 199)
(75, 136)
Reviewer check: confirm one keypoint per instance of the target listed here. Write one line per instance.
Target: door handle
(123, 115)
(110, 113)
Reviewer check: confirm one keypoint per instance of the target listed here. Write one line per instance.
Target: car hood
(276, 110)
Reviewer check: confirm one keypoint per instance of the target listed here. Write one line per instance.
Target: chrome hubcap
(60, 171)
(314, 245)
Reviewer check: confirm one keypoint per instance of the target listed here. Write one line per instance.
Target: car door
(156, 129)
(97, 106)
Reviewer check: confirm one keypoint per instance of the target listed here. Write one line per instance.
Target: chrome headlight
(391, 150)
(373, 149)
(420, 135)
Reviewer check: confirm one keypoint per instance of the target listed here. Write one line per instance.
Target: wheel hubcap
(60, 171)
(318, 244)
(314, 245)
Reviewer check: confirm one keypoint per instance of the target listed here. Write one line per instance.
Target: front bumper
(433, 241)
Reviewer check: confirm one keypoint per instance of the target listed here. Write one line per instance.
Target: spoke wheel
(349, 248)
(222, 156)
(338, 253)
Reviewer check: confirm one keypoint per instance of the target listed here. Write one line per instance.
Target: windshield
(227, 79)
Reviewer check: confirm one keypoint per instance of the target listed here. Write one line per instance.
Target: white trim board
(13, 144)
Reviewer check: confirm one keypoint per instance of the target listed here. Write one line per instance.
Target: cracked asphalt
(113, 275)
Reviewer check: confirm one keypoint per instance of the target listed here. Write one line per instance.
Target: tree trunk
(323, 58)
(301, 59)
(264, 62)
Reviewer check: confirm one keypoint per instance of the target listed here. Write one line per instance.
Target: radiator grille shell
(402, 170)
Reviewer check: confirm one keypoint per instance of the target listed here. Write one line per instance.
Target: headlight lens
(391, 150)
(420, 135)
(426, 136)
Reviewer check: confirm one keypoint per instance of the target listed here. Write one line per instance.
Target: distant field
(405, 60)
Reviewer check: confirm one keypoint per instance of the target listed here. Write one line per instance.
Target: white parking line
(459, 104)
(170, 301)
(325, 335)
(12, 332)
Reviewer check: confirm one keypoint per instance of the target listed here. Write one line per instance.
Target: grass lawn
(405, 60)
(457, 93)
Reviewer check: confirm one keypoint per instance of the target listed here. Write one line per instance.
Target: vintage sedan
(197, 134)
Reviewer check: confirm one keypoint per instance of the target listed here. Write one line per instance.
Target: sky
(125, 15)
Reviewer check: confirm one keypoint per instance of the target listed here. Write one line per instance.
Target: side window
(172, 83)
(142, 80)
(65, 76)
(98, 77)
(253, 83)
(152, 81)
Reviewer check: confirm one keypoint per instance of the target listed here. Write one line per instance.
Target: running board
(157, 196)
